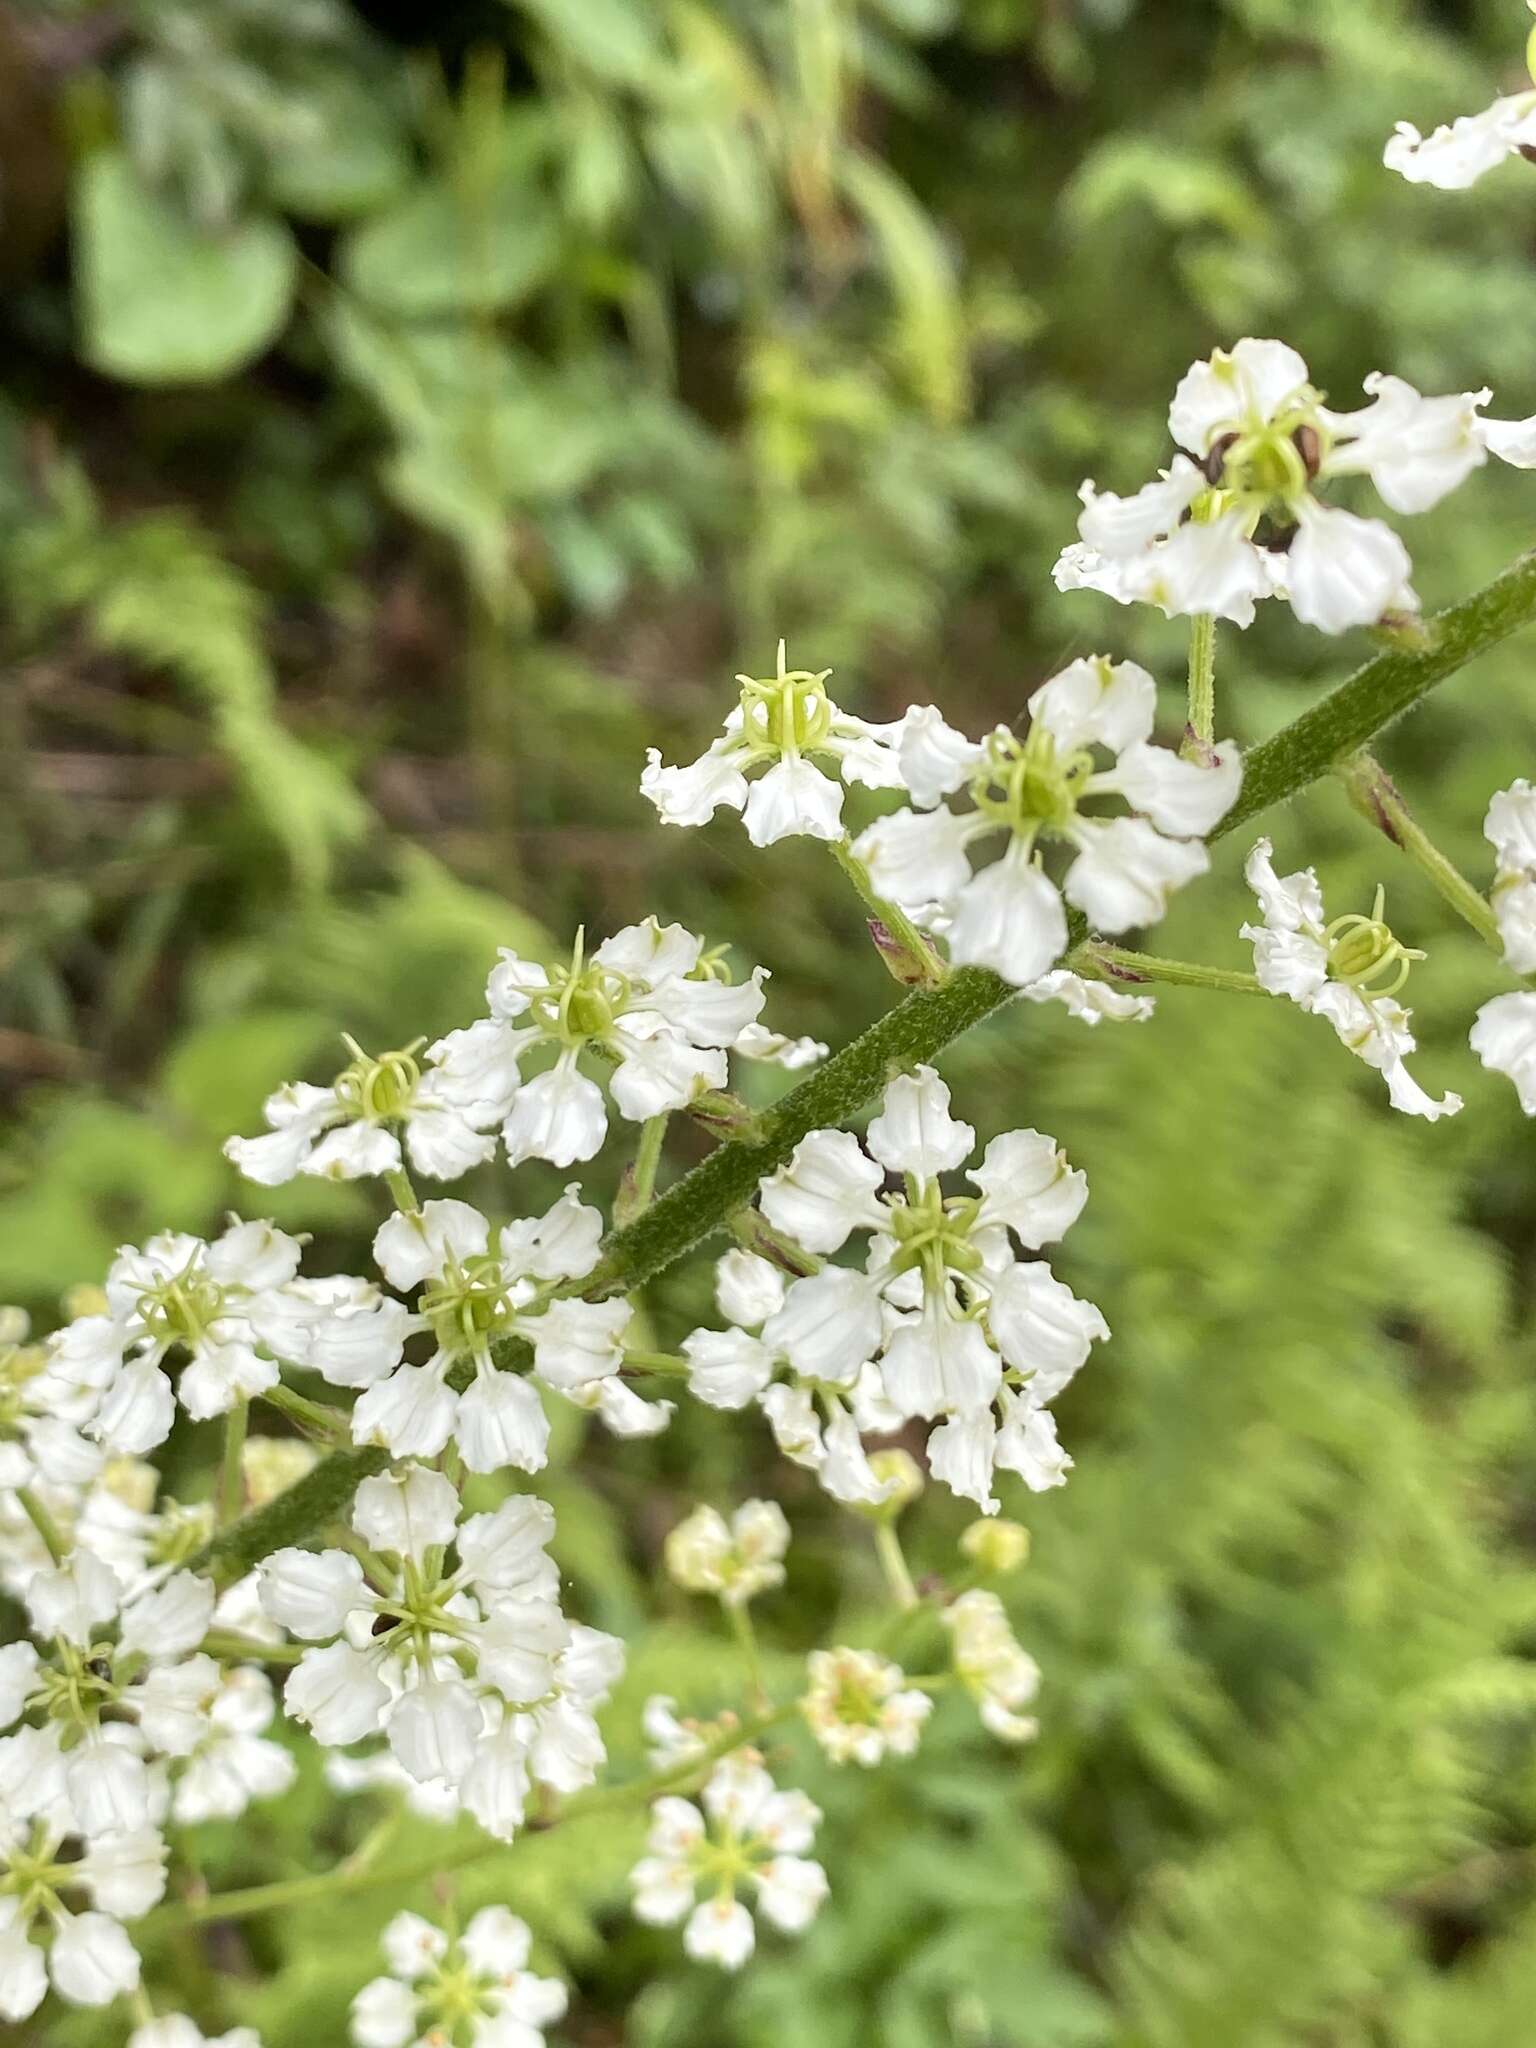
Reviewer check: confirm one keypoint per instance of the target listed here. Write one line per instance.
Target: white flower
(178, 1294)
(1456, 156)
(1510, 828)
(48, 1865)
(118, 1687)
(652, 1011)
(1089, 1001)
(469, 1669)
(1010, 916)
(41, 1417)
(749, 1836)
(734, 1560)
(1348, 971)
(475, 1988)
(175, 2030)
(859, 1708)
(1241, 522)
(945, 1320)
(781, 726)
(234, 1763)
(999, 1675)
(481, 1287)
(351, 1130)
(1504, 1039)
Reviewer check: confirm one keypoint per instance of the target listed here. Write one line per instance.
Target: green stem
(1202, 682)
(909, 958)
(43, 1523)
(740, 1619)
(1119, 964)
(639, 1184)
(398, 1181)
(231, 1474)
(313, 1418)
(359, 1872)
(1375, 795)
(894, 1565)
(666, 1362)
(929, 1019)
(232, 1648)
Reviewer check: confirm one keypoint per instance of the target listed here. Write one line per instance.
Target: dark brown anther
(383, 1623)
(1276, 539)
(1216, 458)
(100, 1667)
(1528, 151)
(1310, 448)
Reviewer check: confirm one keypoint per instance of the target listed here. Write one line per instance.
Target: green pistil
(933, 1233)
(788, 713)
(1031, 785)
(581, 1002)
(377, 1091)
(181, 1310)
(457, 1996)
(470, 1304)
(1363, 952)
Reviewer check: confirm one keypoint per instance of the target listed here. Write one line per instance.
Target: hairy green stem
(1120, 964)
(907, 953)
(231, 1472)
(929, 1019)
(1202, 682)
(1375, 795)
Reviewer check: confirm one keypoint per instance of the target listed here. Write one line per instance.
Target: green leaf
(352, 162)
(615, 38)
(163, 302)
(435, 253)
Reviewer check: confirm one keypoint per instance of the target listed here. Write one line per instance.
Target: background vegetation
(408, 415)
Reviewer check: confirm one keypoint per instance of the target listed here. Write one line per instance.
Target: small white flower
(1001, 1677)
(176, 1295)
(1241, 521)
(468, 1668)
(1348, 971)
(351, 1130)
(1456, 156)
(945, 1320)
(748, 1837)
(1010, 916)
(734, 1560)
(1504, 1039)
(474, 1989)
(234, 1763)
(859, 1707)
(782, 725)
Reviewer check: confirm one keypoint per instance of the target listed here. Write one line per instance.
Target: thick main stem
(929, 1019)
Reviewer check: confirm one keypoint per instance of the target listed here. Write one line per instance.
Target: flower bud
(996, 1547)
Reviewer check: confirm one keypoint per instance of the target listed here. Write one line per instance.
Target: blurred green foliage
(410, 415)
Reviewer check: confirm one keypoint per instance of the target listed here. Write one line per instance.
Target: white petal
(1251, 382)
(727, 1368)
(794, 799)
(434, 1729)
(337, 1694)
(558, 1116)
(416, 1245)
(442, 1141)
(412, 1945)
(577, 1341)
(1009, 917)
(1291, 904)
(506, 1551)
(663, 1073)
(844, 1466)
(219, 1374)
(1513, 441)
(829, 1327)
(937, 1364)
(253, 1255)
(1344, 571)
(936, 760)
(73, 1600)
(1097, 702)
(136, 1411)
(914, 1132)
(92, 1961)
(172, 1619)
(497, 1942)
(1207, 566)
(1091, 1001)
(411, 1413)
(790, 1891)
(407, 1512)
(1028, 1185)
(354, 1152)
(561, 1245)
(916, 858)
(747, 1288)
(383, 2014)
(1457, 155)
(1504, 1039)
(692, 794)
(1127, 871)
(500, 1423)
(1122, 527)
(960, 1456)
(1376, 1031)
(1414, 449)
(310, 1593)
(1510, 827)
(825, 1190)
(1042, 1328)
(1027, 1444)
(720, 1931)
(1514, 909)
(1184, 798)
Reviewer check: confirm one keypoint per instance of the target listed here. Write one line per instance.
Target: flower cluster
(451, 1643)
(745, 1835)
(1236, 516)
(1458, 154)
(859, 1707)
(734, 1560)
(473, 1990)
(1010, 916)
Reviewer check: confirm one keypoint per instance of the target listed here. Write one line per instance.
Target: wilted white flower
(782, 725)
(1504, 1039)
(470, 1670)
(65, 1890)
(734, 1560)
(860, 1708)
(177, 1295)
(1241, 520)
(1348, 971)
(999, 1675)
(749, 1837)
(119, 1684)
(946, 1320)
(1010, 916)
(1510, 829)
(473, 1990)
